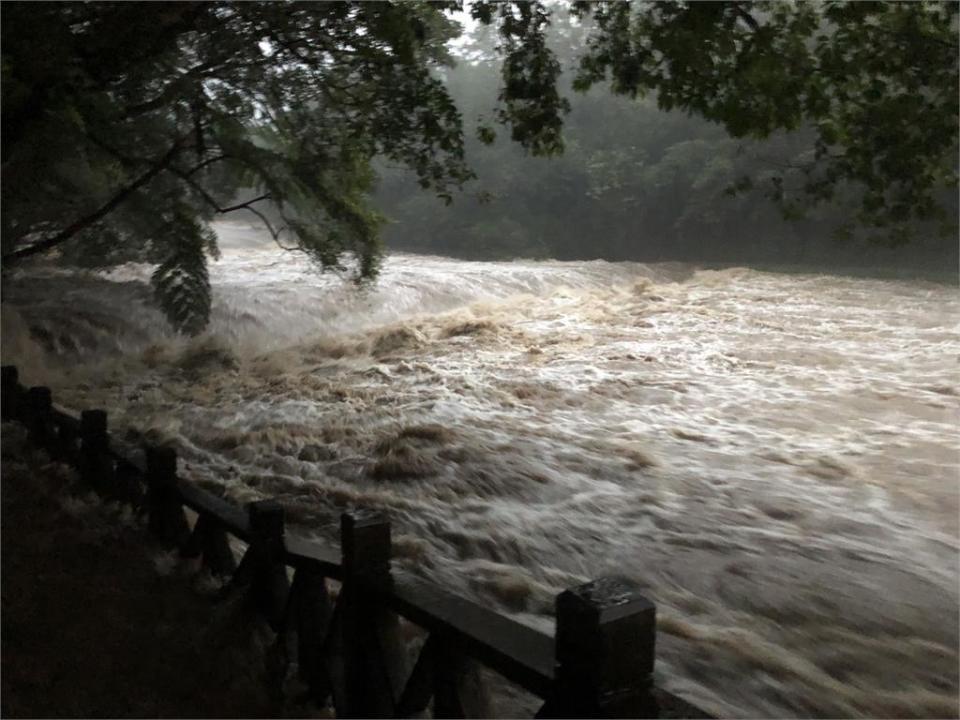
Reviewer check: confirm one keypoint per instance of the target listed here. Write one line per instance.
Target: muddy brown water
(773, 456)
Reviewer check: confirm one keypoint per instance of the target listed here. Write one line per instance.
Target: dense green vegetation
(638, 182)
(127, 127)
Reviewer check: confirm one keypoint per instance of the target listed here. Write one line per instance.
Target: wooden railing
(599, 664)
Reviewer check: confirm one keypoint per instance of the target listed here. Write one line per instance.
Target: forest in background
(762, 132)
(634, 183)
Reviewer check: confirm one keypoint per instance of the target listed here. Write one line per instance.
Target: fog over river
(773, 456)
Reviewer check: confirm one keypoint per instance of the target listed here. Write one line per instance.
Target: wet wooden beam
(96, 466)
(67, 445)
(311, 554)
(518, 652)
(370, 674)
(39, 407)
(10, 392)
(673, 706)
(231, 517)
(210, 543)
(310, 614)
(418, 690)
(166, 518)
(458, 688)
(600, 665)
(270, 586)
(605, 651)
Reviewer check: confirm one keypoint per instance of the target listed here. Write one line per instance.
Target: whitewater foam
(773, 456)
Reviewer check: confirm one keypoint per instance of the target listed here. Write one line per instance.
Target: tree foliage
(127, 127)
(877, 81)
(635, 182)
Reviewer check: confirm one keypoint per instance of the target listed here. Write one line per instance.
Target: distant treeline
(634, 183)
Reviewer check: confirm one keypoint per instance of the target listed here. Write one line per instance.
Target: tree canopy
(638, 182)
(127, 127)
(876, 81)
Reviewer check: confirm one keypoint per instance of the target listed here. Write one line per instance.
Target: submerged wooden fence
(599, 664)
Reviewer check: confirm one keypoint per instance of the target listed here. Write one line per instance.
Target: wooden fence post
(309, 614)
(66, 443)
(368, 659)
(166, 518)
(269, 584)
(605, 648)
(40, 417)
(9, 392)
(209, 541)
(96, 466)
(128, 483)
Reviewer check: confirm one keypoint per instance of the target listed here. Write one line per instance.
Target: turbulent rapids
(773, 456)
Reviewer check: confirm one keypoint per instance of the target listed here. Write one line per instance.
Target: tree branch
(205, 163)
(248, 205)
(745, 16)
(184, 79)
(88, 220)
(275, 235)
(244, 205)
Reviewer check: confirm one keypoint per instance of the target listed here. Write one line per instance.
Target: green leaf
(181, 284)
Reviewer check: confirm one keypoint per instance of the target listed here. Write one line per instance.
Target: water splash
(773, 457)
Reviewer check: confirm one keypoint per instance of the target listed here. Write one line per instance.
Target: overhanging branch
(248, 205)
(88, 220)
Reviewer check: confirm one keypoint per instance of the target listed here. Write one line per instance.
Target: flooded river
(773, 456)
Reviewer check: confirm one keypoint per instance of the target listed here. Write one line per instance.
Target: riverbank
(98, 621)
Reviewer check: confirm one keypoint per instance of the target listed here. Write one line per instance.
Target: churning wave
(773, 456)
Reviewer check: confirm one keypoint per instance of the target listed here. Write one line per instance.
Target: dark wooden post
(96, 466)
(269, 584)
(166, 518)
(128, 484)
(93, 431)
(605, 648)
(458, 689)
(309, 615)
(215, 546)
(366, 545)
(9, 392)
(66, 443)
(209, 542)
(40, 417)
(367, 662)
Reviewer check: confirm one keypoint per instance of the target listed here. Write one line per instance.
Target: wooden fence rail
(350, 648)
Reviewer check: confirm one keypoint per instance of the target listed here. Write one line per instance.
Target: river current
(773, 456)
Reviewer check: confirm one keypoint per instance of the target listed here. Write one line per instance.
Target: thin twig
(248, 205)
